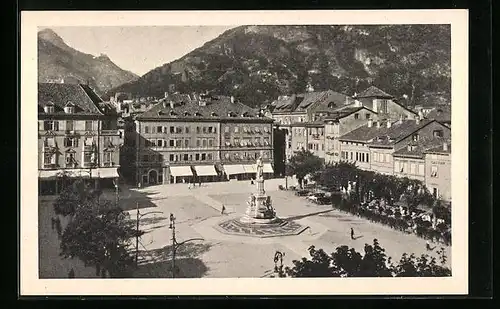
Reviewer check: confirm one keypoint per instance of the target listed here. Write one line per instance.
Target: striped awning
(205, 170)
(234, 169)
(73, 173)
(181, 171)
(249, 168)
(267, 168)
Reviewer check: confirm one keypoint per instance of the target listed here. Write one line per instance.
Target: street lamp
(175, 244)
(115, 182)
(138, 218)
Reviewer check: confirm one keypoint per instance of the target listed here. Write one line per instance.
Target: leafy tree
(98, 233)
(347, 262)
(302, 163)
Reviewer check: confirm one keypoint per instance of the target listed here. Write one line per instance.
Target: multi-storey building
(438, 170)
(343, 120)
(201, 138)
(372, 146)
(77, 136)
(309, 136)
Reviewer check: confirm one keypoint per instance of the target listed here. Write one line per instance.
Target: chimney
(417, 119)
(370, 123)
(388, 123)
(232, 99)
(420, 115)
(445, 146)
(378, 124)
(401, 119)
(410, 148)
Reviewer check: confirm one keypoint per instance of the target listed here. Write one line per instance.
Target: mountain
(57, 60)
(256, 64)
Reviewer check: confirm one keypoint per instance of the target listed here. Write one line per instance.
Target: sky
(139, 49)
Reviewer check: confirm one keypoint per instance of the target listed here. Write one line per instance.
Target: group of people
(193, 184)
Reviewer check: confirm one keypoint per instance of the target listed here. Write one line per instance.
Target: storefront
(234, 171)
(206, 173)
(52, 182)
(267, 170)
(250, 171)
(181, 174)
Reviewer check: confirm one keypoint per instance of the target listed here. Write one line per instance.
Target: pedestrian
(352, 233)
(71, 273)
(251, 181)
(189, 185)
(428, 246)
(199, 183)
(223, 209)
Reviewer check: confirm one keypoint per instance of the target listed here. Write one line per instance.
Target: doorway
(153, 177)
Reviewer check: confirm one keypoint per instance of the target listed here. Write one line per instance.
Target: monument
(260, 219)
(260, 209)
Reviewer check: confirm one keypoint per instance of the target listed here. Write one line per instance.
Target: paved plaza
(214, 254)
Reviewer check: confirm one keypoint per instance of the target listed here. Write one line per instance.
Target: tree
(302, 163)
(347, 262)
(98, 233)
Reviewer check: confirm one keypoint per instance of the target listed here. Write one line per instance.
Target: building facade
(438, 171)
(204, 138)
(78, 136)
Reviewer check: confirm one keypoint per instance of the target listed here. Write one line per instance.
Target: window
(210, 143)
(146, 129)
(198, 130)
(435, 192)
(88, 125)
(49, 108)
(152, 157)
(357, 156)
(145, 158)
(415, 137)
(413, 168)
(88, 158)
(197, 157)
(351, 155)
(171, 157)
(396, 167)
(186, 143)
(186, 129)
(387, 158)
(70, 125)
(159, 129)
(226, 130)
(152, 143)
(70, 160)
(356, 116)
(51, 125)
(49, 159)
(375, 156)
(70, 142)
(209, 157)
(236, 129)
(405, 167)
(437, 133)
(160, 143)
(178, 143)
(107, 159)
(421, 169)
(215, 130)
(172, 130)
(210, 130)
(198, 142)
(434, 171)
(171, 143)
(204, 143)
(367, 116)
(185, 157)
(203, 157)
(178, 130)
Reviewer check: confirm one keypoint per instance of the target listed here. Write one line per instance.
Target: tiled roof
(417, 149)
(305, 101)
(389, 136)
(337, 98)
(345, 111)
(373, 92)
(440, 113)
(439, 149)
(317, 123)
(86, 101)
(216, 108)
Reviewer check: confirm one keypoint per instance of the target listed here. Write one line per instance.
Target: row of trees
(347, 262)
(98, 232)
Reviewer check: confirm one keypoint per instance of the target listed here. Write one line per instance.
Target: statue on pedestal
(259, 167)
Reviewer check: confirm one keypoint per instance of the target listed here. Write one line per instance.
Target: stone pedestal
(259, 210)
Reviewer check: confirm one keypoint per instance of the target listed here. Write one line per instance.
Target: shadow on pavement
(309, 215)
(187, 262)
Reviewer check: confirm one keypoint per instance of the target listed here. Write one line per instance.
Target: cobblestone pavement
(214, 254)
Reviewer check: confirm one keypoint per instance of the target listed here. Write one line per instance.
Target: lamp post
(138, 218)
(115, 182)
(175, 244)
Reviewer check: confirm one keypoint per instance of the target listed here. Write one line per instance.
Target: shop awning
(177, 171)
(234, 169)
(267, 168)
(205, 170)
(73, 173)
(249, 168)
(111, 172)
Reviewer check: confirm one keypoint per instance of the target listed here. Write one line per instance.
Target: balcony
(110, 132)
(315, 136)
(108, 164)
